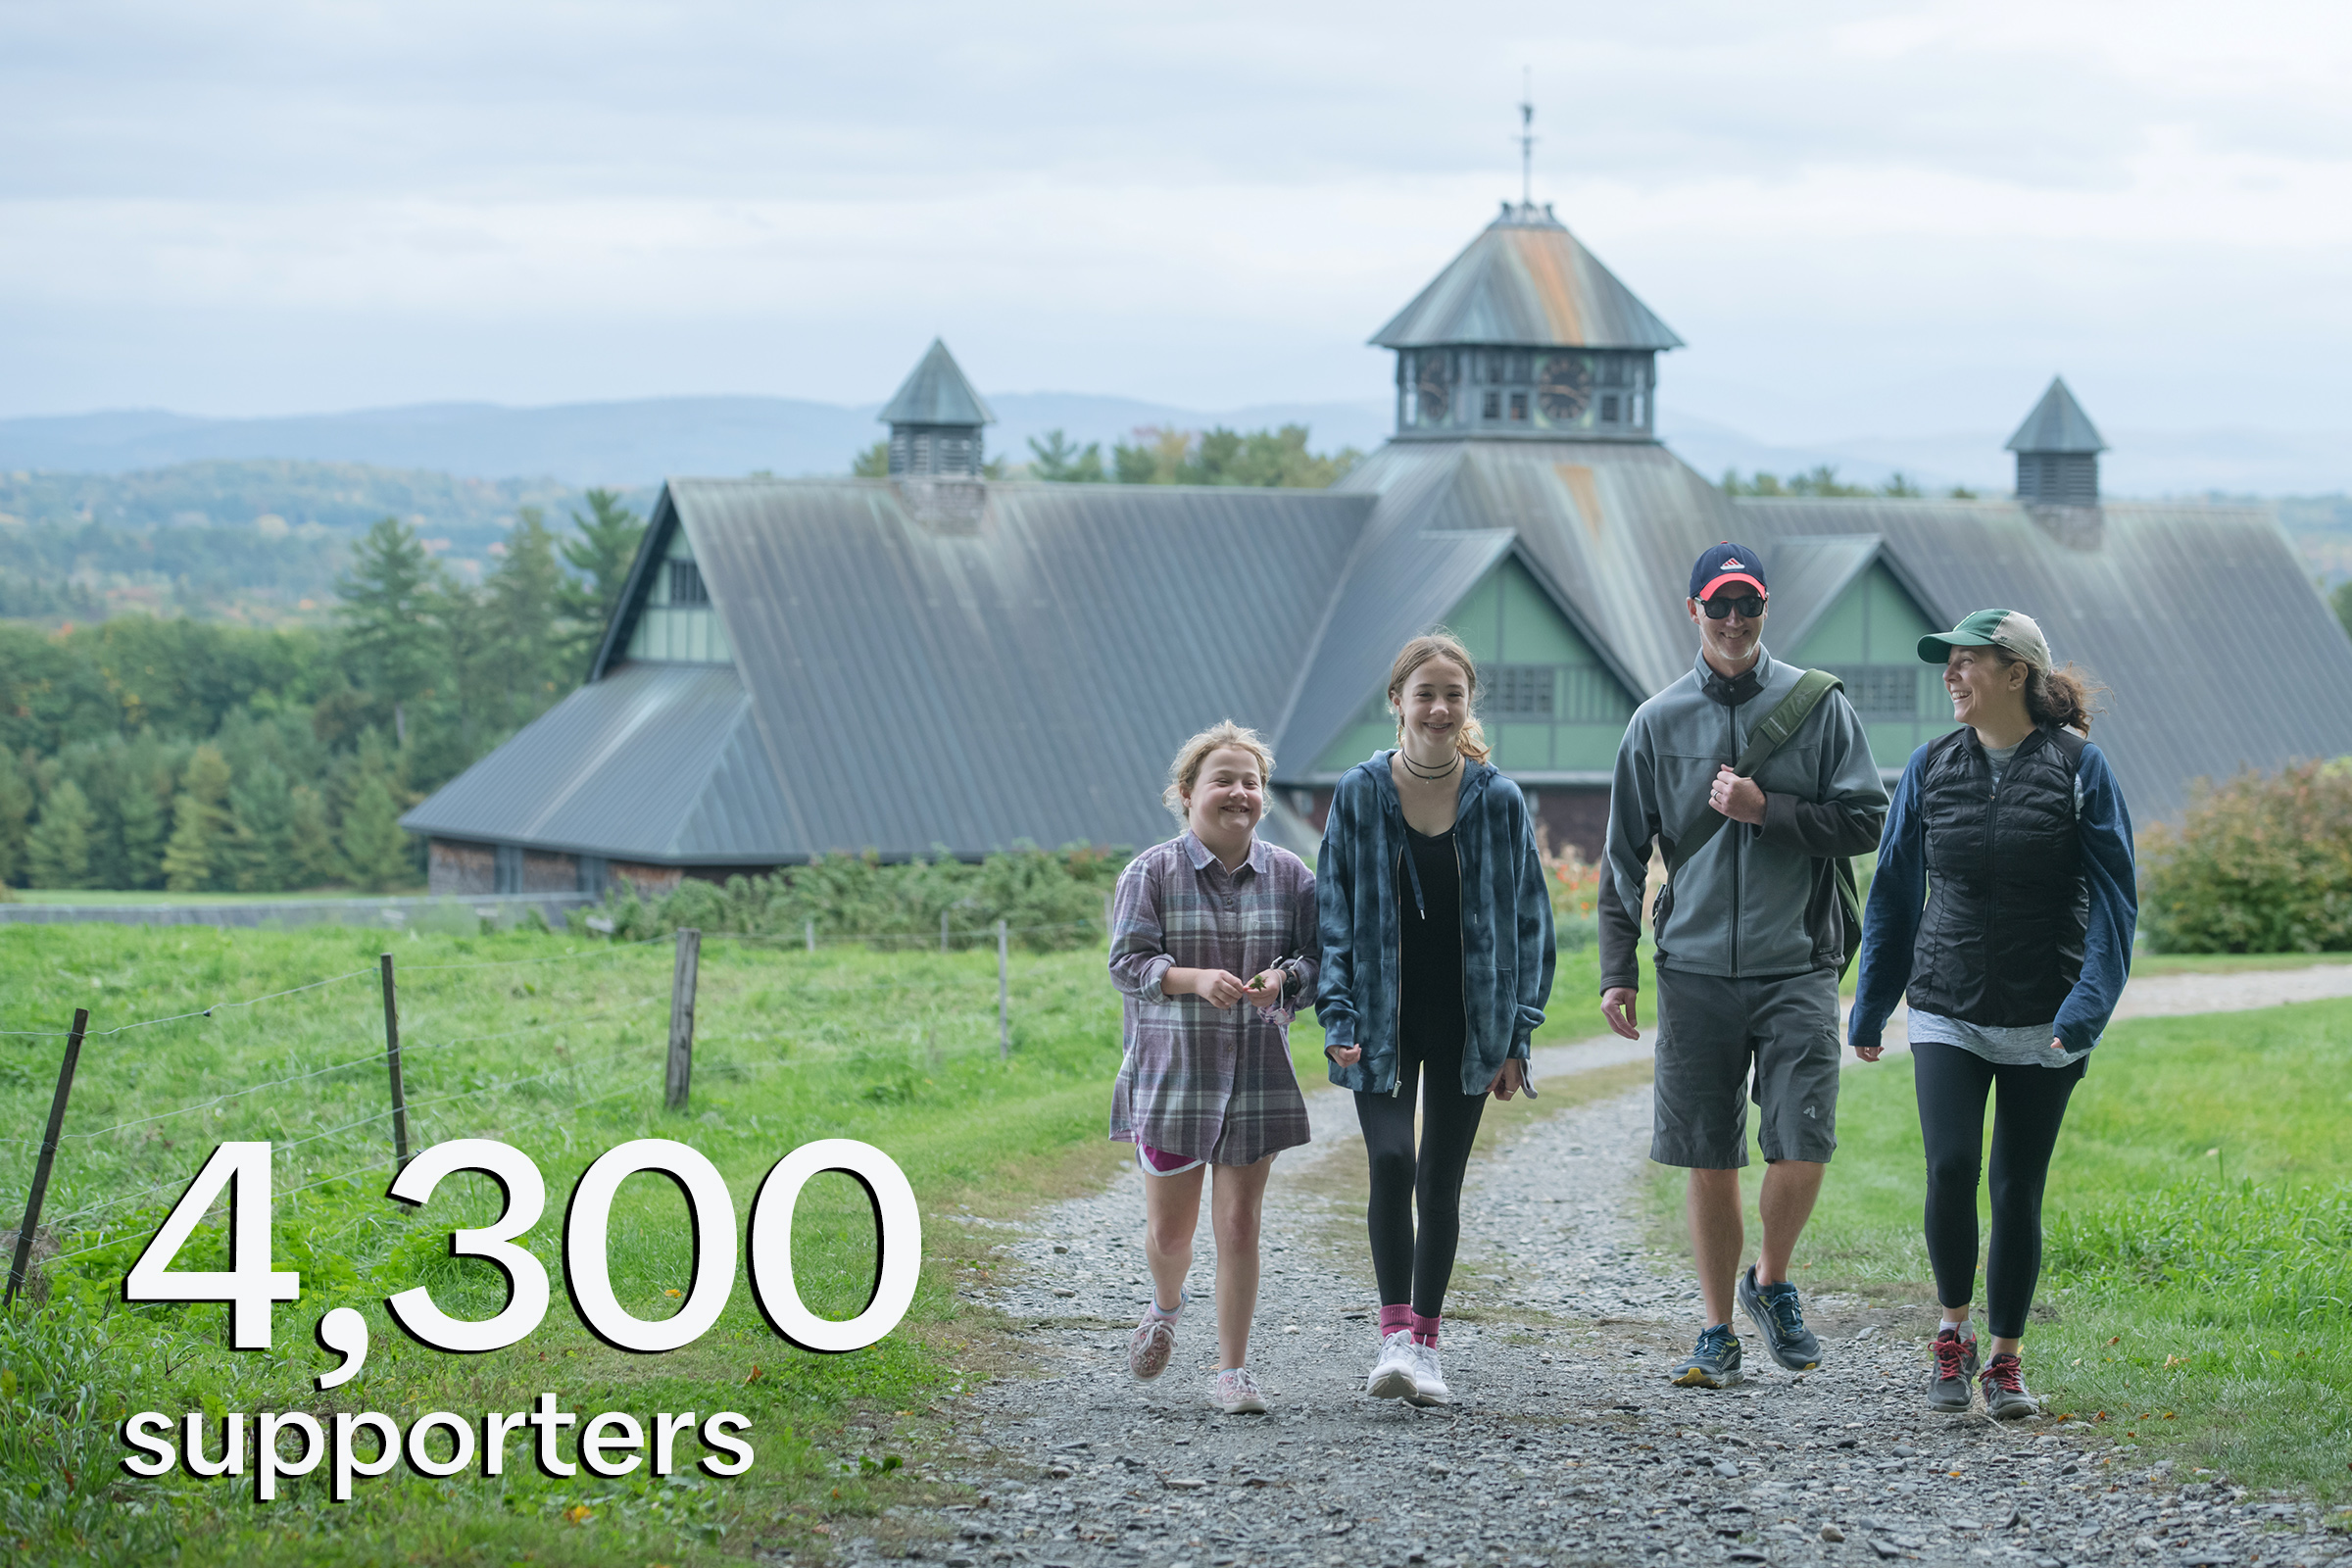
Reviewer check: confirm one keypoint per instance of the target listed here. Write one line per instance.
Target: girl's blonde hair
(1184, 772)
(1440, 643)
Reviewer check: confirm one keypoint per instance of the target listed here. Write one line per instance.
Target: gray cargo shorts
(1721, 1041)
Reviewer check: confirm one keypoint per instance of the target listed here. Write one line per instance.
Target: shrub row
(1051, 899)
(2258, 864)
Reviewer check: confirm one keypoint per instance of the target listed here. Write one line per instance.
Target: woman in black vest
(2013, 833)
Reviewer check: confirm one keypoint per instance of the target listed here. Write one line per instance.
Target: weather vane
(1527, 136)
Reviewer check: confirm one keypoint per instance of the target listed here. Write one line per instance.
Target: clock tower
(1527, 336)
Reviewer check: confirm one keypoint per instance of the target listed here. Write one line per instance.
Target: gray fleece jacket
(1753, 900)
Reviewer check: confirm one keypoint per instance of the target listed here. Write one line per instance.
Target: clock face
(1564, 387)
(1433, 386)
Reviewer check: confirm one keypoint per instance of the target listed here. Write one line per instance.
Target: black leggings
(2030, 1103)
(1410, 1267)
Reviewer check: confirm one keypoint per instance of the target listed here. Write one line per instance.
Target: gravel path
(1566, 1444)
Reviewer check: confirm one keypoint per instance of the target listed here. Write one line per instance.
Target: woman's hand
(2059, 1045)
(1869, 1053)
(1506, 1082)
(1213, 986)
(1265, 989)
(1345, 1056)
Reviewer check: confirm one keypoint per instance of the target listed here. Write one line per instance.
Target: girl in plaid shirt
(1213, 944)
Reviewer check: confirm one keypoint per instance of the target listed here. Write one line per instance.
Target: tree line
(194, 755)
(1823, 480)
(1276, 459)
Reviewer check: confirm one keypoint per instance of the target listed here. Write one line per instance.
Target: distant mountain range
(634, 445)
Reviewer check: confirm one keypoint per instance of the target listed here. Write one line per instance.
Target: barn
(937, 661)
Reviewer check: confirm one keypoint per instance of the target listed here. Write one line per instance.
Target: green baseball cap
(2012, 631)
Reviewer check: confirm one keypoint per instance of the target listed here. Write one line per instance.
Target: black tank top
(1431, 967)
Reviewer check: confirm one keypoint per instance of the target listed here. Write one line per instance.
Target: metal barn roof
(1028, 679)
(937, 392)
(2216, 650)
(654, 763)
(2057, 425)
(1526, 282)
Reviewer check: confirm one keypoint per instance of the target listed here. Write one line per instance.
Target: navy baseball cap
(1726, 562)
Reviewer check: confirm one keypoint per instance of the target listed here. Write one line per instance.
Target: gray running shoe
(1775, 1312)
(1955, 1369)
(2006, 1396)
(1714, 1364)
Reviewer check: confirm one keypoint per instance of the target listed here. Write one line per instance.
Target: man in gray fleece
(1750, 939)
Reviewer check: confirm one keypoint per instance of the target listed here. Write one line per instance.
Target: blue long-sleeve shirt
(1898, 894)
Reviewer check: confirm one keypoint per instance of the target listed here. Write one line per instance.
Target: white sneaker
(1393, 1374)
(1428, 1385)
(1236, 1392)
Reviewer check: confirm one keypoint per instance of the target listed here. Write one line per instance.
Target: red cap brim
(1708, 592)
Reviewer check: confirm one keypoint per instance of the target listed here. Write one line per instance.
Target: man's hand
(1619, 1009)
(1345, 1056)
(1739, 798)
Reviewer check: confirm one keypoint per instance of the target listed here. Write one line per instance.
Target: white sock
(1959, 1323)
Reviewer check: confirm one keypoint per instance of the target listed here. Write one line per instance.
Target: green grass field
(555, 1045)
(2196, 1294)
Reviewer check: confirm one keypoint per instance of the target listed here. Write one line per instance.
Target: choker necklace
(1414, 769)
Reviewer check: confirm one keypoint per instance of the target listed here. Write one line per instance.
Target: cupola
(934, 420)
(1527, 334)
(2058, 452)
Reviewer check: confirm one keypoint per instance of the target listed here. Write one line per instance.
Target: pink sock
(1425, 1329)
(1395, 1317)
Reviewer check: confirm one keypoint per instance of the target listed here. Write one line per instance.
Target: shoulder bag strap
(1787, 718)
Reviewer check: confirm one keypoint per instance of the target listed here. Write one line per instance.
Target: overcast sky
(1864, 218)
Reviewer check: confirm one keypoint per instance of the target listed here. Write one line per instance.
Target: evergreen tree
(145, 810)
(16, 810)
(388, 596)
(603, 553)
(261, 814)
(193, 858)
(59, 847)
(373, 847)
(309, 841)
(1057, 459)
(874, 462)
(523, 601)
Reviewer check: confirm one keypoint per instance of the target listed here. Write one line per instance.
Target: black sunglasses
(1749, 605)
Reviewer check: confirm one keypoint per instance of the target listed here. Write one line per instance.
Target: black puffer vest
(2001, 940)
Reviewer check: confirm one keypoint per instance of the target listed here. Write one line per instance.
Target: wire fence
(596, 1012)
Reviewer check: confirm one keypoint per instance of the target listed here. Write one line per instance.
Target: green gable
(1869, 638)
(1550, 706)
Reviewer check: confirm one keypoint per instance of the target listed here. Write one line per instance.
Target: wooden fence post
(809, 932)
(400, 1099)
(943, 930)
(681, 1017)
(41, 1171)
(1003, 1001)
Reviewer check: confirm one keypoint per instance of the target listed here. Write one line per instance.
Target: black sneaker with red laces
(1955, 1369)
(2006, 1396)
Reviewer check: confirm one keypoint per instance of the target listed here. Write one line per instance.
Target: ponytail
(2060, 699)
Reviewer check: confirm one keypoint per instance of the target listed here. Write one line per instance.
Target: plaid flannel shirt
(1210, 1083)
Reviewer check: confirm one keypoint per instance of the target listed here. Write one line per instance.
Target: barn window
(1521, 691)
(686, 586)
(1880, 692)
